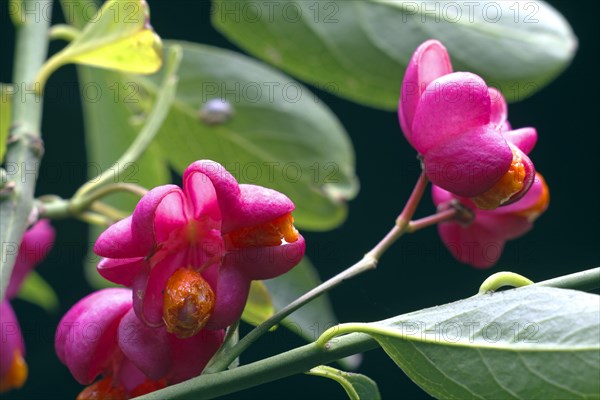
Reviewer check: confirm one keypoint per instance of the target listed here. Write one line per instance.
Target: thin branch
(26, 148)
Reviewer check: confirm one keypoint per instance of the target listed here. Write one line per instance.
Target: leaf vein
(475, 395)
(546, 379)
(494, 377)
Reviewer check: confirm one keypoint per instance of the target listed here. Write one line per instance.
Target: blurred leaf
(79, 12)
(259, 306)
(37, 291)
(359, 49)
(314, 318)
(112, 119)
(5, 110)
(278, 134)
(527, 343)
(357, 386)
(16, 12)
(119, 37)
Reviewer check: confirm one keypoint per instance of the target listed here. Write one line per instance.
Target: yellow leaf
(119, 37)
(136, 54)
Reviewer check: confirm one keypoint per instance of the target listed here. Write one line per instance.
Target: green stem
(231, 337)
(585, 280)
(292, 362)
(109, 211)
(368, 262)
(85, 201)
(54, 207)
(54, 63)
(64, 32)
(95, 219)
(25, 152)
(141, 142)
(501, 279)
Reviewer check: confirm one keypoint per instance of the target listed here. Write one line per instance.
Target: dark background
(417, 272)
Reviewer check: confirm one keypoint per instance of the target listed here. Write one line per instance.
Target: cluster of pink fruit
(187, 256)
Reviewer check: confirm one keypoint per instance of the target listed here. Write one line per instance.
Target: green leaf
(357, 386)
(37, 291)
(259, 306)
(119, 38)
(314, 318)
(527, 343)
(5, 100)
(278, 135)
(359, 49)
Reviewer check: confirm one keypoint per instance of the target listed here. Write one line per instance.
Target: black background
(417, 272)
